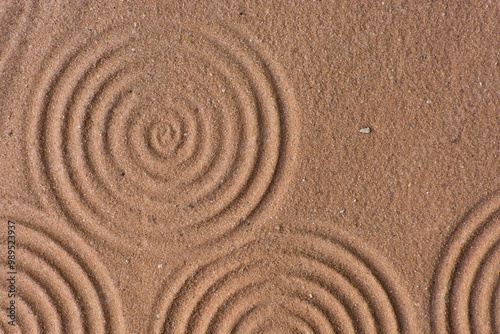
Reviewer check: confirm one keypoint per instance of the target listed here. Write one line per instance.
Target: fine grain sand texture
(250, 167)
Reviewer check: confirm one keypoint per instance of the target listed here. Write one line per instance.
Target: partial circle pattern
(62, 287)
(145, 137)
(300, 282)
(466, 295)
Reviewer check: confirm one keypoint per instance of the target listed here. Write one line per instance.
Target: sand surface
(250, 167)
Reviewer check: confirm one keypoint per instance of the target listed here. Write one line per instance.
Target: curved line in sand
(466, 281)
(60, 278)
(234, 164)
(339, 285)
(15, 36)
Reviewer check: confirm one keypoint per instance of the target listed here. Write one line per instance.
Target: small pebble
(365, 130)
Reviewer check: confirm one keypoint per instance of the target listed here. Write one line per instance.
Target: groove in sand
(72, 78)
(14, 18)
(298, 280)
(62, 285)
(466, 292)
(208, 143)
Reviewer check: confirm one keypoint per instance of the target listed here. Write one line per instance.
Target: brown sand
(251, 167)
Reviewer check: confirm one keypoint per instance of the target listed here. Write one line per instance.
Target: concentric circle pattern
(466, 296)
(61, 285)
(142, 137)
(301, 283)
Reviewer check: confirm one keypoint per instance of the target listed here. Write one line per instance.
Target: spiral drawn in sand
(61, 285)
(297, 283)
(13, 22)
(151, 136)
(466, 296)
